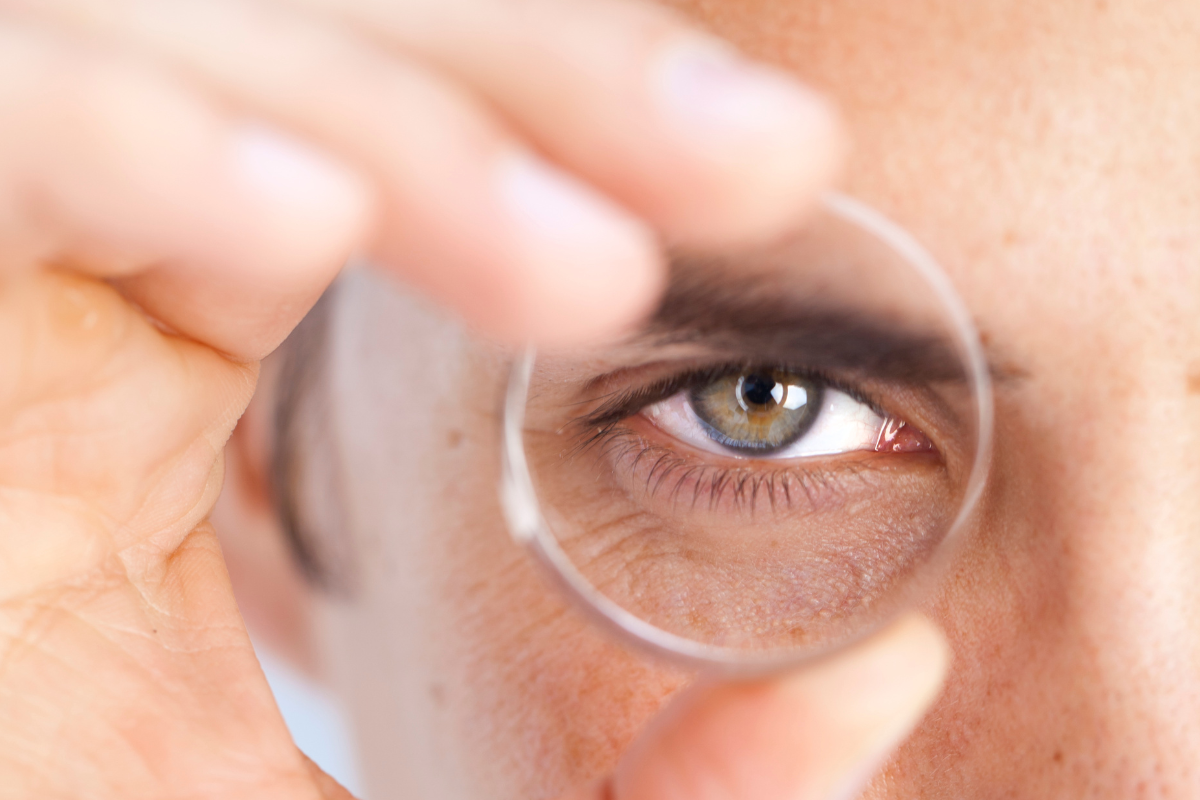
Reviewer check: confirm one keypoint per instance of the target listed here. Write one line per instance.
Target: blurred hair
(305, 465)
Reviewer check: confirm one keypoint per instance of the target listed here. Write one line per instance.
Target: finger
(330, 789)
(710, 147)
(244, 226)
(77, 359)
(515, 245)
(819, 735)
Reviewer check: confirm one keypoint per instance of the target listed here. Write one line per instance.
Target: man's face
(1049, 154)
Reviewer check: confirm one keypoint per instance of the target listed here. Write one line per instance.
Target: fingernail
(875, 694)
(593, 266)
(710, 90)
(290, 173)
(765, 144)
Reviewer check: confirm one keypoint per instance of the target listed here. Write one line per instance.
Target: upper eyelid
(628, 402)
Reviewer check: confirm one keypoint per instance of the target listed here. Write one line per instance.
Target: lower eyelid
(667, 474)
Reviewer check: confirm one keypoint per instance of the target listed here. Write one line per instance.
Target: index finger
(709, 146)
(225, 231)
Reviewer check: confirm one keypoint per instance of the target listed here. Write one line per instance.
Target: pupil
(757, 389)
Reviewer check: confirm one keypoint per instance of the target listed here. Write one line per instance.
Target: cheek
(465, 675)
(544, 704)
(536, 698)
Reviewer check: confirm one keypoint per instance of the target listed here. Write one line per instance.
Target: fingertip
(872, 696)
(819, 733)
(275, 220)
(224, 231)
(312, 209)
(762, 144)
(589, 271)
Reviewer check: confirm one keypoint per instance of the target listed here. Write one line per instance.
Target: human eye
(745, 437)
(776, 463)
(776, 413)
(723, 497)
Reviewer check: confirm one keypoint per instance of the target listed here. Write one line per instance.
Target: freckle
(438, 693)
(1058, 756)
(454, 438)
(1193, 383)
(1010, 238)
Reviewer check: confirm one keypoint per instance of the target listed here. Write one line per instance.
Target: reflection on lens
(776, 465)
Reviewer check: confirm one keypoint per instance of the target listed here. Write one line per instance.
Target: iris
(757, 411)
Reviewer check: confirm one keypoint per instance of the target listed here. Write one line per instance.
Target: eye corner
(899, 436)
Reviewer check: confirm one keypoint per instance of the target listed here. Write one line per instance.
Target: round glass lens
(776, 465)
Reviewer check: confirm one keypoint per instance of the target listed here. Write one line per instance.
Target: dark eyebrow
(758, 315)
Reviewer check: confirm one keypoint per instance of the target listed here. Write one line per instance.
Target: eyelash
(602, 429)
(742, 485)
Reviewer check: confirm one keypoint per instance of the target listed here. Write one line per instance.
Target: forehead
(1047, 152)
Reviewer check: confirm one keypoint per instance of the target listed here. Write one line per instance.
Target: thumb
(820, 734)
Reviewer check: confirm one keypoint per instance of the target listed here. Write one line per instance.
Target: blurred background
(315, 720)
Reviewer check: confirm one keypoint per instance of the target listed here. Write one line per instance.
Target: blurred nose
(1075, 613)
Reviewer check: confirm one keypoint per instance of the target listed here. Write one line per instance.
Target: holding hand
(210, 164)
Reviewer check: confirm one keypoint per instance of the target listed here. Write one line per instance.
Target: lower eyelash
(688, 480)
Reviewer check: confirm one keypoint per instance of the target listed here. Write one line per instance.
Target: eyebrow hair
(758, 314)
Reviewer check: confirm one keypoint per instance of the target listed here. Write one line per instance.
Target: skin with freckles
(1049, 155)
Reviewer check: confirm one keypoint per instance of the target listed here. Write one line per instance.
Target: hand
(511, 159)
(179, 180)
